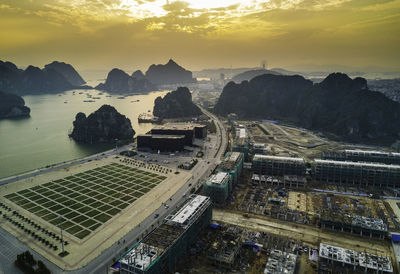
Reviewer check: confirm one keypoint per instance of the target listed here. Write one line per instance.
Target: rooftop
(234, 157)
(163, 236)
(241, 133)
(277, 158)
(372, 152)
(178, 126)
(259, 145)
(219, 179)
(160, 136)
(359, 164)
(231, 161)
(188, 213)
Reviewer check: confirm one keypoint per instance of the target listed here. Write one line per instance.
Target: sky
(133, 34)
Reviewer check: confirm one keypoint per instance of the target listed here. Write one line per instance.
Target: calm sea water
(42, 139)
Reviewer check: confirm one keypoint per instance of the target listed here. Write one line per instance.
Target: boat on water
(148, 118)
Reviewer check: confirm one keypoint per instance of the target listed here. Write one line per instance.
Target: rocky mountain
(120, 82)
(138, 75)
(67, 71)
(176, 104)
(34, 80)
(338, 105)
(250, 74)
(170, 73)
(102, 126)
(285, 71)
(12, 105)
(389, 87)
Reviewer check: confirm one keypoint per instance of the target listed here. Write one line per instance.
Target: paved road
(59, 166)
(101, 263)
(200, 172)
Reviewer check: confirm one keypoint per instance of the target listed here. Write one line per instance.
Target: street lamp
(116, 146)
(62, 239)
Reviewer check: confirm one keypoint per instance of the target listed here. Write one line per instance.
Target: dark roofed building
(161, 142)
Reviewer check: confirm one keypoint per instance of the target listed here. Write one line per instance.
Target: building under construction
(241, 143)
(356, 173)
(290, 181)
(364, 226)
(333, 259)
(233, 164)
(224, 250)
(278, 166)
(363, 156)
(280, 262)
(160, 251)
(218, 187)
(259, 148)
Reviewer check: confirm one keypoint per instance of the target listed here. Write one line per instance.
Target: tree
(42, 269)
(29, 258)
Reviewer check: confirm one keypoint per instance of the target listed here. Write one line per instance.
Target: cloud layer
(135, 33)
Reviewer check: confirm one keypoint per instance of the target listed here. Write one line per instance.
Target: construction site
(161, 250)
(327, 210)
(278, 185)
(342, 260)
(226, 248)
(271, 213)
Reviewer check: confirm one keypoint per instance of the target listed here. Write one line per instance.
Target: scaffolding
(218, 187)
(241, 141)
(364, 226)
(354, 260)
(224, 250)
(259, 148)
(278, 166)
(356, 173)
(160, 251)
(363, 156)
(280, 262)
(290, 181)
(233, 164)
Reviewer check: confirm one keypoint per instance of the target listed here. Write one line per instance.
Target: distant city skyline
(131, 34)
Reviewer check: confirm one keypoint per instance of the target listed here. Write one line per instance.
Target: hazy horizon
(132, 34)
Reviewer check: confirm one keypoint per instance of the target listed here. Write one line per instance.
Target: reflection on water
(42, 139)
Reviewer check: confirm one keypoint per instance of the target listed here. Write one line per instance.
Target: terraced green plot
(83, 202)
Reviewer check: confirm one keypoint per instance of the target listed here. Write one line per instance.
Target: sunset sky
(132, 34)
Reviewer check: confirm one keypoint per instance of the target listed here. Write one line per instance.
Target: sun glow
(213, 4)
(160, 8)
